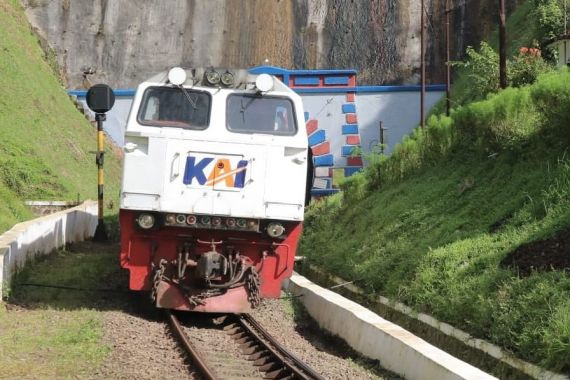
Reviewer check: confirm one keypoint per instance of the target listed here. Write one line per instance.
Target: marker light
(227, 79)
(251, 223)
(231, 222)
(275, 229)
(216, 221)
(177, 76)
(191, 219)
(180, 219)
(205, 220)
(240, 223)
(213, 77)
(264, 82)
(170, 219)
(145, 221)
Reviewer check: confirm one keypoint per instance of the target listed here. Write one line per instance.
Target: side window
(152, 106)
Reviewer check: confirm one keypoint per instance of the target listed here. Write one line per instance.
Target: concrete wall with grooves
(42, 235)
(124, 42)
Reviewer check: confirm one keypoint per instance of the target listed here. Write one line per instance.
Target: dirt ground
(541, 255)
(141, 347)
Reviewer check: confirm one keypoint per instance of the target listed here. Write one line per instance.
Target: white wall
(399, 112)
(43, 235)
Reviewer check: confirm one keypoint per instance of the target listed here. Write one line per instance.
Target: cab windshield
(248, 113)
(175, 107)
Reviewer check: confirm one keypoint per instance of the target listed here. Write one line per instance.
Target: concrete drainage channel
(42, 208)
(397, 349)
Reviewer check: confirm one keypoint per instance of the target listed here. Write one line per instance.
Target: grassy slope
(474, 188)
(46, 153)
(45, 143)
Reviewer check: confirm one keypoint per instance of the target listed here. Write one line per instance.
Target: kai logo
(209, 171)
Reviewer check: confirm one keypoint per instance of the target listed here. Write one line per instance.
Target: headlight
(264, 82)
(275, 230)
(213, 77)
(177, 76)
(170, 219)
(146, 221)
(227, 79)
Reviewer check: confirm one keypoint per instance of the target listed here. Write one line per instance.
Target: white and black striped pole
(100, 99)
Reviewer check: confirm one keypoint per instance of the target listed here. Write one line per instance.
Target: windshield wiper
(245, 106)
(190, 100)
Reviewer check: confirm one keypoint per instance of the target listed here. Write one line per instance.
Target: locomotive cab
(213, 188)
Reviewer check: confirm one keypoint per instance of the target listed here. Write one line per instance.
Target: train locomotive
(213, 190)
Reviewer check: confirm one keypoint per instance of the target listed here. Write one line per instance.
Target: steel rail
(195, 357)
(289, 360)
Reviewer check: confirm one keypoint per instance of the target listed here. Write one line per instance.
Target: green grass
(430, 225)
(46, 145)
(57, 333)
(50, 344)
(85, 266)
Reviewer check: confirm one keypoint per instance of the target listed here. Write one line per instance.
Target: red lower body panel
(233, 301)
(239, 267)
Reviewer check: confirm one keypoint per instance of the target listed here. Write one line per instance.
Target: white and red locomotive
(213, 188)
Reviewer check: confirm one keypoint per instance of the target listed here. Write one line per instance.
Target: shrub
(551, 95)
(525, 68)
(354, 187)
(503, 121)
(482, 69)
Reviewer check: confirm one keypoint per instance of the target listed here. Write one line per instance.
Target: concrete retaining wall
(41, 236)
(397, 349)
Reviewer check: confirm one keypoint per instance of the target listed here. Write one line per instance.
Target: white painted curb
(397, 349)
(41, 236)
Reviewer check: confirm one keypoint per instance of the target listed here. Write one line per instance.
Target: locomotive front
(213, 188)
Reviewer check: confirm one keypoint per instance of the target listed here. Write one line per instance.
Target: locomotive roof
(243, 79)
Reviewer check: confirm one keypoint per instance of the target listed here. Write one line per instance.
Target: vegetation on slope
(434, 225)
(470, 220)
(46, 145)
(531, 25)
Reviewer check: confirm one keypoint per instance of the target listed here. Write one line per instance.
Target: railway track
(260, 349)
(193, 354)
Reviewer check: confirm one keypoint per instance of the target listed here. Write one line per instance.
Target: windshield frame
(258, 96)
(174, 124)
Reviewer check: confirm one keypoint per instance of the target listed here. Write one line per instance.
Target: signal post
(100, 99)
